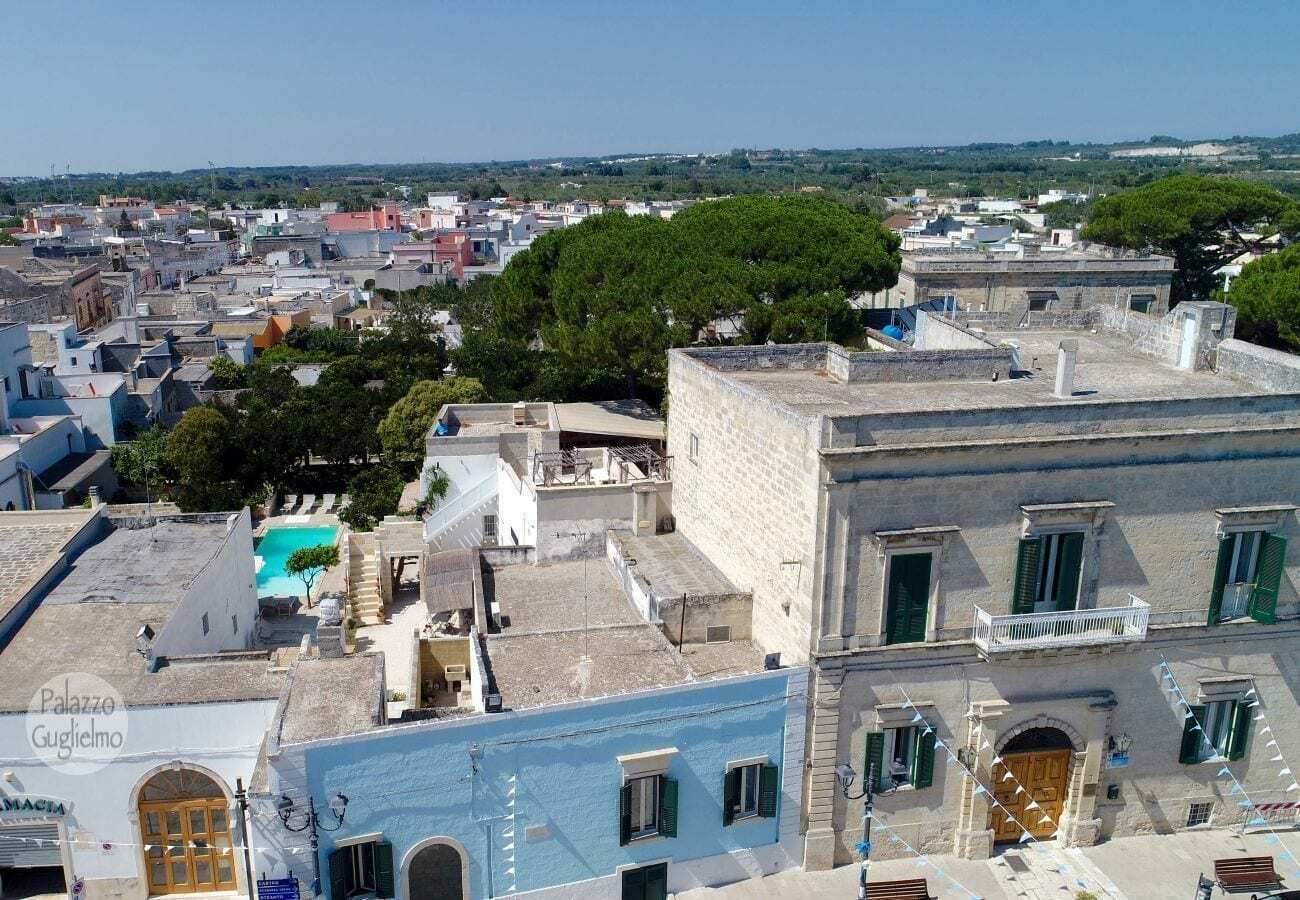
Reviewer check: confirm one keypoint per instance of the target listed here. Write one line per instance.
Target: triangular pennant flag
(1267, 729)
(1224, 771)
(1008, 776)
(1189, 714)
(1258, 820)
(1245, 804)
(1236, 788)
(927, 730)
(984, 744)
(1033, 804)
(1019, 790)
(907, 704)
(1270, 838)
(1250, 693)
(979, 789)
(1294, 787)
(1271, 744)
(1024, 837)
(1284, 772)
(1044, 820)
(922, 862)
(997, 760)
(1259, 718)
(1196, 728)
(917, 718)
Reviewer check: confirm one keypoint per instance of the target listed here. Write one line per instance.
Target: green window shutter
(634, 884)
(1068, 569)
(1239, 740)
(1220, 578)
(656, 882)
(767, 791)
(384, 881)
(1193, 740)
(730, 796)
(923, 766)
(1027, 557)
(909, 598)
(338, 866)
(875, 756)
(625, 815)
(1268, 578)
(668, 806)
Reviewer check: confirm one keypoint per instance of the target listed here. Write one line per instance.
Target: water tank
(893, 331)
(331, 609)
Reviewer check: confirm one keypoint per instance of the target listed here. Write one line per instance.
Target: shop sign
(35, 805)
(1117, 759)
(277, 888)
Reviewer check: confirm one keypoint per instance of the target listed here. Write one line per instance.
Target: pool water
(274, 547)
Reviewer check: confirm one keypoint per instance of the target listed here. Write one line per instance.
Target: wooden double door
(187, 846)
(1044, 775)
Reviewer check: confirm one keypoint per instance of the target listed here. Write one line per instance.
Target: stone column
(823, 755)
(974, 836)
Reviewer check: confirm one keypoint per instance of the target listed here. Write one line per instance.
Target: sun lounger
(290, 501)
(327, 503)
(308, 502)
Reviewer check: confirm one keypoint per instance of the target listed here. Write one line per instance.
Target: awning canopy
(449, 580)
(619, 418)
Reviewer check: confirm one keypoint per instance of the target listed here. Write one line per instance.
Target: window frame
(749, 779)
(1051, 543)
(885, 779)
(693, 448)
(639, 792)
(356, 865)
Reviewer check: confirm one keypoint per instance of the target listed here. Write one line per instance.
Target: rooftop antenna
(586, 593)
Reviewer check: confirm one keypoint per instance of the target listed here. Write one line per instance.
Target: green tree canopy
(600, 302)
(309, 563)
(403, 430)
(227, 375)
(372, 494)
(1202, 221)
(139, 463)
(1267, 298)
(197, 452)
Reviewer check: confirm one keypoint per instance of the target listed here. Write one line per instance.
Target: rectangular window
(717, 634)
(1219, 729)
(1041, 300)
(234, 623)
(360, 869)
(694, 451)
(489, 529)
(1048, 569)
(1141, 302)
(205, 623)
(646, 883)
(1199, 814)
(901, 756)
(908, 598)
(643, 806)
(749, 790)
(747, 793)
(1247, 576)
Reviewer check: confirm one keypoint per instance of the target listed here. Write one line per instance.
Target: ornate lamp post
(338, 806)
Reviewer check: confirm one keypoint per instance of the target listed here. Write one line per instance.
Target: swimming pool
(274, 547)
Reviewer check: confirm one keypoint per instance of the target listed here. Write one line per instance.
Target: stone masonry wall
(1267, 369)
(748, 499)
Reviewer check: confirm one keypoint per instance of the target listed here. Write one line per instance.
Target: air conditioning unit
(455, 673)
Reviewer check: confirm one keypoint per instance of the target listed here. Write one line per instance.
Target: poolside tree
(309, 563)
(372, 494)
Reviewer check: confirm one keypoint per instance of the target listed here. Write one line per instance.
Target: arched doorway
(185, 829)
(1039, 762)
(436, 869)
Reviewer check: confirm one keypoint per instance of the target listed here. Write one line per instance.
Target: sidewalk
(1152, 867)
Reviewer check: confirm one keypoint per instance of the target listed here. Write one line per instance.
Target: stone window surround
(898, 715)
(1232, 520)
(373, 837)
(1231, 687)
(1088, 516)
(928, 539)
(641, 864)
(749, 761)
(644, 765)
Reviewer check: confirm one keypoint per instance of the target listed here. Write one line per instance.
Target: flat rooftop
(1107, 369)
(545, 654)
(672, 565)
(30, 544)
(332, 697)
(99, 638)
(153, 565)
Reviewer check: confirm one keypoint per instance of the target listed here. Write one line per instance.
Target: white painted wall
(516, 509)
(222, 738)
(226, 587)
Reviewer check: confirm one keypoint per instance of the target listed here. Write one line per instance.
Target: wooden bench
(1245, 872)
(908, 889)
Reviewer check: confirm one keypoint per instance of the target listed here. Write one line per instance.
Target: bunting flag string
(108, 845)
(1253, 812)
(922, 860)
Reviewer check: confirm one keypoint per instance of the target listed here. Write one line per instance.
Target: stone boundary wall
(773, 356)
(1157, 338)
(1271, 370)
(920, 365)
(935, 332)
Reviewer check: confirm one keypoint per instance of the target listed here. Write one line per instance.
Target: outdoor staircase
(457, 523)
(363, 579)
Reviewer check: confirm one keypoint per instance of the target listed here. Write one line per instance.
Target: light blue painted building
(567, 800)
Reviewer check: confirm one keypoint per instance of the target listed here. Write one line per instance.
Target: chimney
(1065, 356)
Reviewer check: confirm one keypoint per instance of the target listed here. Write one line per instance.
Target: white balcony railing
(1072, 628)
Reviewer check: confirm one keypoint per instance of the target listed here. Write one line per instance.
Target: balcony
(1056, 630)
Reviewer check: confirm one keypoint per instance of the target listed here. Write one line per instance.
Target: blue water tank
(893, 331)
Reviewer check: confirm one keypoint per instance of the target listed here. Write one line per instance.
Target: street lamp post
(845, 775)
(338, 805)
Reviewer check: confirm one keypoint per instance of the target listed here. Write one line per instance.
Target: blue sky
(125, 86)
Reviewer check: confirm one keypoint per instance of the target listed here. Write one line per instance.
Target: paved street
(1156, 867)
